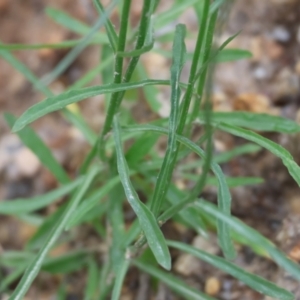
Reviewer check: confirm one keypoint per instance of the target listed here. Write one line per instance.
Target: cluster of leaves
(119, 173)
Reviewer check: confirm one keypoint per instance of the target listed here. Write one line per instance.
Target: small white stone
(281, 34)
(27, 163)
(260, 73)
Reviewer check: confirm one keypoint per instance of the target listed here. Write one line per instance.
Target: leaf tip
(167, 264)
(17, 127)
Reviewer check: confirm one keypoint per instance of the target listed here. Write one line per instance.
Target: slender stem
(195, 61)
(158, 197)
(184, 112)
(116, 98)
(206, 57)
(118, 65)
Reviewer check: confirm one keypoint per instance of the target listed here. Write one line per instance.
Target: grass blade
(75, 118)
(174, 283)
(111, 33)
(189, 215)
(34, 267)
(164, 176)
(252, 236)
(72, 24)
(39, 148)
(61, 45)
(140, 148)
(58, 102)
(71, 56)
(259, 122)
(231, 181)
(147, 220)
(66, 263)
(256, 282)
(224, 197)
(88, 204)
(151, 92)
(123, 267)
(162, 19)
(227, 55)
(24, 206)
(25, 71)
(274, 148)
(92, 280)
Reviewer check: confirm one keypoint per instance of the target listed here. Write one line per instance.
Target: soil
(268, 82)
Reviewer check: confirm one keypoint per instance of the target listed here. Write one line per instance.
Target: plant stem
(158, 196)
(195, 61)
(117, 73)
(116, 98)
(207, 53)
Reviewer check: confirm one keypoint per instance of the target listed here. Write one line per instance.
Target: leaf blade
(146, 219)
(58, 102)
(39, 148)
(256, 282)
(254, 121)
(34, 267)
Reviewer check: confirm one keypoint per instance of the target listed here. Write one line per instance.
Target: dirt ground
(268, 82)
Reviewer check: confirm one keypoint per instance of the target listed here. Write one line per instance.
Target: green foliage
(103, 187)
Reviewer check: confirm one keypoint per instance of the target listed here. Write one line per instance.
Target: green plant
(123, 171)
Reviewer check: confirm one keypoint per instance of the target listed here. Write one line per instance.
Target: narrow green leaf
(239, 150)
(166, 170)
(12, 277)
(44, 230)
(173, 282)
(164, 18)
(224, 156)
(62, 100)
(231, 181)
(61, 45)
(254, 121)
(39, 148)
(224, 197)
(221, 56)
(140, 148)
(24, 206)
(229, 54)
(274, 148)
(151, 92)
(123, 267)
(92, 280)
(73, 54)
(256, 282)
(104, 285)
(111, 33)
(72, 24)
(147, 220)
(14, 62)
(252, 236)
(189, 215)
(116, 220)
(77, 121)
(148, 45)
(89, 203)
(34, 267)
(64, 264)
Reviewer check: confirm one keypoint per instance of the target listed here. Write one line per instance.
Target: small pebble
(212, 286)
(260, 73)
(281, 34)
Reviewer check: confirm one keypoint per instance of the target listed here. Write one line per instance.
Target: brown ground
(269, 82)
